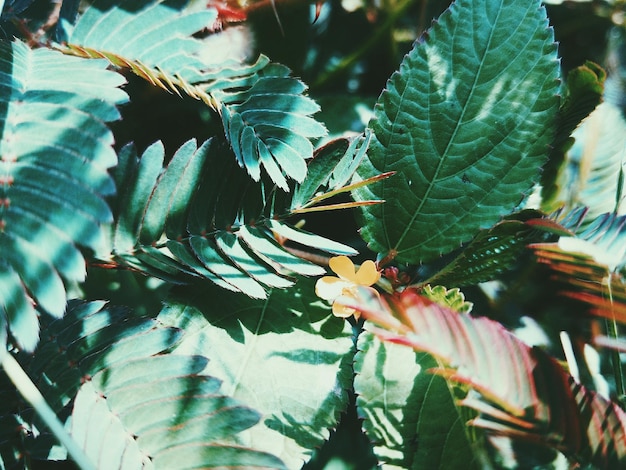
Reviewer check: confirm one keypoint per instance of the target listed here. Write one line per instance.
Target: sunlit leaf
(287, 357)
(56, 149)
(454, 123)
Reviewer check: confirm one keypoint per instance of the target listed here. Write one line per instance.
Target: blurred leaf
(583, 92)
(285, 356)
(454, 123)
(590, 265)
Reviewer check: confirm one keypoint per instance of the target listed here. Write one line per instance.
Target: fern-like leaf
(56, 149)
(266, 116)
(492, 251)
(202, 217)
(269, 125)
(523, 392)
(132, 404)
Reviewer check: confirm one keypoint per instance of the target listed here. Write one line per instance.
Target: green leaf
(202, 218)
(466, 124)
(491, 252)
(284, 356)
(266, 116)
(332, 168)
(157, 34)
(451, 298)
(583, 93)
(168, 417)
(56, 149)
(113, 371)
(409, 414)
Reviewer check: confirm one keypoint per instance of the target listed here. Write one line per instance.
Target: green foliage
(215, 229)
(454, 123)
(56, 149)
(409, 414)
(286, 356)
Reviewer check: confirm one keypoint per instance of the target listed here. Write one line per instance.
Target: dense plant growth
(200, 269)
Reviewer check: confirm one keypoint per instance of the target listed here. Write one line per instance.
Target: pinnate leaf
(56, 149)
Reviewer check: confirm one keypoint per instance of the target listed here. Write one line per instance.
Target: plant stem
(611, 332)
(31, 394)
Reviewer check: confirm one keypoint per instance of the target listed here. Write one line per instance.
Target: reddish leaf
(523, 392)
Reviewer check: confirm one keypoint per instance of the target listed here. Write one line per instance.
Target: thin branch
(31, 394)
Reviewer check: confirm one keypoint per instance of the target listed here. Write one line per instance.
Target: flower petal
(342, 311)
(330, 287)
(367, 274)
(343, 267)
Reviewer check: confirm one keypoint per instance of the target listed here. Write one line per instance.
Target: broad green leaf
(285, 356)
(466, 123)
(56, 149)
(409, 414)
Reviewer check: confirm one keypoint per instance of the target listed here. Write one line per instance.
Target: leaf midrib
(442, 158)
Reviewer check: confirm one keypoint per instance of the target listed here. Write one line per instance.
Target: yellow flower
(331, 288)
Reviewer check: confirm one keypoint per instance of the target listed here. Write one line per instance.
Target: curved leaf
(596, 163)
(283, 356)
(56, 149)
(523, 392)
(269, 125)
(466, 123)
(409, 415)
